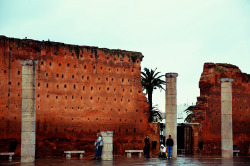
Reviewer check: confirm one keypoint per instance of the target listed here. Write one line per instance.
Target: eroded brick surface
(208, 107)
(80, 90)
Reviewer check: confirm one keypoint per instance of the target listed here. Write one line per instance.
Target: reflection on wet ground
(122, 161)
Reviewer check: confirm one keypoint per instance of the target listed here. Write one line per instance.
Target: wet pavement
(122, 161)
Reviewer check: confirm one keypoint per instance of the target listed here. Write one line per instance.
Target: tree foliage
(189, 112)
(150, 80)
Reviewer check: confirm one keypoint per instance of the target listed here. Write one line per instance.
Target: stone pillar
(171, 110)
(107, 150)
(28, 129)
(226, 118)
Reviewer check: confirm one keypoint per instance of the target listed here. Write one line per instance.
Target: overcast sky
(173, 35)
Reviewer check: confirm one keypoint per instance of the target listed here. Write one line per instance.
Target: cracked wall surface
(80, 90)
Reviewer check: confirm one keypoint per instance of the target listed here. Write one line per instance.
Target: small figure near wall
(147, 147)
(169, 145)
(98, 147)
(162, 151)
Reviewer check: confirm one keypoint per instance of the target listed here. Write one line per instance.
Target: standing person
(169, 145)
(98, 147)
(162, 151)
(147, 147)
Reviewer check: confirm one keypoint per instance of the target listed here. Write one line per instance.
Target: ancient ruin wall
(208, 107)
(80, 91)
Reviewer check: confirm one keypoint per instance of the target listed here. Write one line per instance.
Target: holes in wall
(47, 85)
(66, 99)
(85, 67)
(122, 80)
(132, 70)
(72, 97)
(140, 120)
(38, 95)
(87, 77)
(91, 56)
(114, 99)
(128, 100)
(131, 90)
(91, 88)
(134, 130)
(107, 89)
(68, 65)
(47, 96)
(57, 86)
(38, 84)
(59, 64)
(121, 60)
(74, 66)
(107, 79)
(18, 72)
(91, 98)
(83, 88)
(50, 63)
(46, 74)
(56, 97)
(62, 76)
(94, 67)
(73, 76)
(18, 83)
(139, 91)
(41, 62)
(57, 75)
(74, 86)
(114, 89)
(9, 83)
(65, 86)
(126, 130)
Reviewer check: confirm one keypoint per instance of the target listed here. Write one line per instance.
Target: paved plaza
(181, 160)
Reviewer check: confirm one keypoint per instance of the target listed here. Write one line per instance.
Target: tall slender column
(171, 110)
(28, 132)
(226, 118)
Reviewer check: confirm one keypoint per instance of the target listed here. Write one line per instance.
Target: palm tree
(150, 80)
(155, 112)
(189, 111)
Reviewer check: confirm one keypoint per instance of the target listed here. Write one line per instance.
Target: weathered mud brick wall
(208, 107)
(80, 91)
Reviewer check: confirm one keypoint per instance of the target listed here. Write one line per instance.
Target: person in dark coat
(147, 146)
(169, 145)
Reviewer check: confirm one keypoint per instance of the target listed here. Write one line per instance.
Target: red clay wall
(208, 107)
(80, 91)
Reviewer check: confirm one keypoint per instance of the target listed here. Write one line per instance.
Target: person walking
(169, 145)
(98, 147)
(147, 147)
